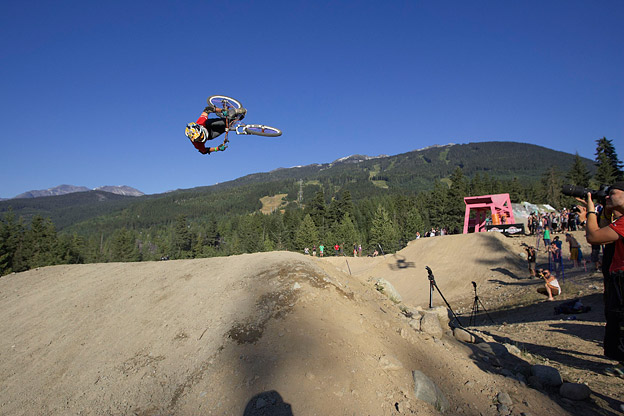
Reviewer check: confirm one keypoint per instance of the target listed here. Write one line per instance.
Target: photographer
(552, 287)
(532, 259)
(613, 232)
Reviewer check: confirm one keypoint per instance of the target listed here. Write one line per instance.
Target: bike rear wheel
(222, 101)
(262, 130)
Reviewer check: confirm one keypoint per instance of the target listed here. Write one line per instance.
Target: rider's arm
(201, 148)
(202, 118)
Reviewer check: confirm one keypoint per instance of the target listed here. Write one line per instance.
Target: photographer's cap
(617, 185)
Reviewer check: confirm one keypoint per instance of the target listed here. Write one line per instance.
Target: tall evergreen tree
(579, 174)
(383, 231)
(456, 207)
(346, 233)
(413, 224)
(317, 210)
(439, 205)
(41, 241)
(124, 246)
(182, 238)
(609, 166)
(552, 183)
(307, 235)
(11, 241)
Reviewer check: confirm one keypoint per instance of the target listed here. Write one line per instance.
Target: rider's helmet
(196, 132)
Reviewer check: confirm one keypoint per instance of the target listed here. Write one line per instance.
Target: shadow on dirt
(268, 403)
(542, 310)
(506, 272)
(494, 358)
(401, 263)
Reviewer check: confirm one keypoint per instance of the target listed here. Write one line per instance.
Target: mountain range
(69, 189)
(365, 177)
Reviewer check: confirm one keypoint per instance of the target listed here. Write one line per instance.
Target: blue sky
(98, 93)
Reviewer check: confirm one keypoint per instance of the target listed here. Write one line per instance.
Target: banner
(507, 229)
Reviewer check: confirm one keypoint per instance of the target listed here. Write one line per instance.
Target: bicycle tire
(262, 130)
(223, 101)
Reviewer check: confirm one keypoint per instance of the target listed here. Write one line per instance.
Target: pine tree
(383, 231)
(346, 233)
(41, 242)
(306, 235)
(413, 224)
(11, 239)
(579, 174)
(123, 246)
(439, 205)
(552, 184)
(609, 166)
(182, 238)
(317, 210)
(456, 206)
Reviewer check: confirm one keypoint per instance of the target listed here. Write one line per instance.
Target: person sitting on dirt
(552, 287)
(208, 129)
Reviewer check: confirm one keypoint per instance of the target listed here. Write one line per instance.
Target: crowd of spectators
(561, 221)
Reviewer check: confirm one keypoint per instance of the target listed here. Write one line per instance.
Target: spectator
(531, 258)
(551, 285)
(546, 238)
(555, 259)
(576, 255)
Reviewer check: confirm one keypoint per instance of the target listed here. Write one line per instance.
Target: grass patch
(272, 203)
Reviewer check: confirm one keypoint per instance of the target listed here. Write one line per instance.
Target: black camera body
(581, 192)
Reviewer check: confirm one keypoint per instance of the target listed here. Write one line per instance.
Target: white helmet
(196, 132)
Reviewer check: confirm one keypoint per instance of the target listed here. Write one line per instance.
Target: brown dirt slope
(270, 333)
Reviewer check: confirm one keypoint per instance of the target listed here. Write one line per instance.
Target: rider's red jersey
(202, 119)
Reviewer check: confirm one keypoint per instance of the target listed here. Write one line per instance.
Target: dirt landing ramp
(245, 335)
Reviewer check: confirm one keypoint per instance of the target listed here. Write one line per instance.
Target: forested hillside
(375, 202)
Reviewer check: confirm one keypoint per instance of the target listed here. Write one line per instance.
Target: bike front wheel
(225, 102)
(262, 130)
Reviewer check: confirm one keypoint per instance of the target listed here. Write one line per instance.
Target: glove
(210, 109)
(222, 147)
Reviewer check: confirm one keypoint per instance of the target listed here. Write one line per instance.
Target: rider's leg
(216, 127)
(233, 113)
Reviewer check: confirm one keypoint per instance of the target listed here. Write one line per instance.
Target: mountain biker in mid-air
(208, 129)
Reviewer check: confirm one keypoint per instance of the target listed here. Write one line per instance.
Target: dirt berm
(275, 333)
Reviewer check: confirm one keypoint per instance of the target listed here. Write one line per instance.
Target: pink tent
(498, 206)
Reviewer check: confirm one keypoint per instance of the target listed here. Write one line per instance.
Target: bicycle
(234, 123)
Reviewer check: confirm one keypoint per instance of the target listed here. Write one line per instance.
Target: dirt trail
(284, 334)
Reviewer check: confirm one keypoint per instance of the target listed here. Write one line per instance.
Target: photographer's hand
(590, 203)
